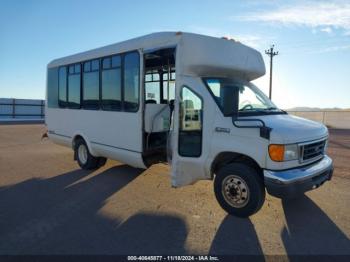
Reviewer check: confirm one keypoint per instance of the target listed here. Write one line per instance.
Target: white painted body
(157, 117)
(121, 131)
(118, 135)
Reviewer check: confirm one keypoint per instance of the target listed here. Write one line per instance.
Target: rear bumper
(293, 182)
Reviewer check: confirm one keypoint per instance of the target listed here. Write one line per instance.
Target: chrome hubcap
(82, 154)
(235, 191)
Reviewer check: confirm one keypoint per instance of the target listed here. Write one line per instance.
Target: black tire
(255, 196)
(91, 161)
(102, 161)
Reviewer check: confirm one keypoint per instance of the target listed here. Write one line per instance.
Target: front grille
(312, 151)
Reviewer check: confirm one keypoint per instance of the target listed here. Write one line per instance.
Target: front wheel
(239, 190)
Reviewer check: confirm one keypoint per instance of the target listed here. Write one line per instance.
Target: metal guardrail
(331, 118)
(14, 114)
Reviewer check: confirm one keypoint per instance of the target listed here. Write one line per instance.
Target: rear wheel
(239, 190)
(85, 159)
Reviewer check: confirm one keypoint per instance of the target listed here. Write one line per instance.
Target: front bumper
(293, 182)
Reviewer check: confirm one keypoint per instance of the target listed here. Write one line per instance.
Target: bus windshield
(251, 99)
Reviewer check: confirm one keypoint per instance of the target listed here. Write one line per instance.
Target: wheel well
(225, 158)
(75, 139)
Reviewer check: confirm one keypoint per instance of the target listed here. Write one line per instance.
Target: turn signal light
(276, 152)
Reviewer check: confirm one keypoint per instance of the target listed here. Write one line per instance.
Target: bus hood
(287, 129)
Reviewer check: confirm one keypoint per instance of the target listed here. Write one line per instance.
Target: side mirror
(230, 100)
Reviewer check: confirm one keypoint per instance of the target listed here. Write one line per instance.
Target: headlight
(281, 153)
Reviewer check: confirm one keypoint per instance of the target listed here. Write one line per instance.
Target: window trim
(100, 59)
(204, 79)
(201, 133)
(69, 104)
(83, 103)
(138, 84)
(121, 80)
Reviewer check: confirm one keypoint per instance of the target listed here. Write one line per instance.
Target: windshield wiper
(268, 110)
(275, 108)
(258, 109)
(247, 109)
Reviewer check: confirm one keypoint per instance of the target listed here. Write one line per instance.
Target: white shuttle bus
(188, 100)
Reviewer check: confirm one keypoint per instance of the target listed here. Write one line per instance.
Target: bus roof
(211, 56)
(143, 42)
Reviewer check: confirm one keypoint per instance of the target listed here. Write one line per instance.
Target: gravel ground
(49, 206)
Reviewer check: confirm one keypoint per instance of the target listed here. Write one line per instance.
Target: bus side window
(52, 87)
(62, 86)
(91, 78)
(111, 83)
(190, 124)
(74, 86)
(131, 81)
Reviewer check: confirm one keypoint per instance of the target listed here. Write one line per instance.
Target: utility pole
(271, 54)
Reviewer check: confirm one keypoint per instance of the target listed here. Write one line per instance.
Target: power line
(271, 54)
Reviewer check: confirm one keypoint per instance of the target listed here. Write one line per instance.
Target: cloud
(327, 30)
(331, 49)
(328, 15)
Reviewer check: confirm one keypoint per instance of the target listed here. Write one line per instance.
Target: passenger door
(188, 150)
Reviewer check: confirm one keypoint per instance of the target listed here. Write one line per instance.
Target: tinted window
(62, 87)
(106, 63)
(116, 61)
(190, 129)
(131, 82)
(95, 65)
(52, 87)
(111, 84)
(71, 69)
(250, 98)
(77, 68)
(87, 67)
(74, 86)
(90, 91)
(91, 94)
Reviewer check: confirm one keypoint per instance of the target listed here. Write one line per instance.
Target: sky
(312, 37)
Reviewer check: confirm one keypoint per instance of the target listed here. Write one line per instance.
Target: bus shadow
(152, 234)
(60, 215)
(236, 236)
(310, 231)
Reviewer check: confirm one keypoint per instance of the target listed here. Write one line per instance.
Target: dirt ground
(49, 206)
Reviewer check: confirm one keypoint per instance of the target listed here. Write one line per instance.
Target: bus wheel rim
(235, 191)
(82, 154)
